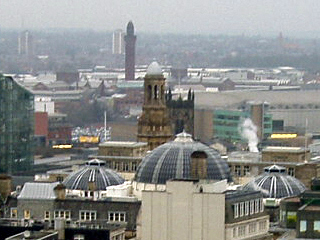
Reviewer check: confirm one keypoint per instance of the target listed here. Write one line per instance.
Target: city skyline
(293, 18)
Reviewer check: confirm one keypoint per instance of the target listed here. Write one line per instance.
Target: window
(134, 166)
(262, 225)
(67, 214)
(116, 216)
(261, 205)
(241, 209)
(303, 225)
(78, 237)
(251, 207)
(246, 170)
(46, 215)
(256, 205)
(13, 212)
(246, 208)
(234, 232)
(27, 214)
(241, 231)
(291, 171)
(237, 170)
(126, 167)
(62, 214)
(252, 227)
(291, 217)
(87, 215)
(316, 226)
(59, 179)
(236, 210)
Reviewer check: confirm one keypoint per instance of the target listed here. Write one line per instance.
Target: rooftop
(283, 149)
(37, 190)
(122, 144)
(229, 99)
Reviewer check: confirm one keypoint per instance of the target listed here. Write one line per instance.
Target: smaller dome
(275, 183)
(93, 171)
(154, 69)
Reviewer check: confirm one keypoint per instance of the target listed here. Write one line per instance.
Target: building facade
(194, 210)
(118, 42)
(25, 44)
(227, 124)
(16, 130)
(124, 157)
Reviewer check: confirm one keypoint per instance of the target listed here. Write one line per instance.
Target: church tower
(130, 45)
(154, 125)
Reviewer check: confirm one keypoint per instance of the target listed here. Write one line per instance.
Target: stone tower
(130, 45)
(154, 125)
(181, 113)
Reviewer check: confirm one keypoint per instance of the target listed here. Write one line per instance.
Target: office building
(118, 42)
(16, 129)
(25, 44)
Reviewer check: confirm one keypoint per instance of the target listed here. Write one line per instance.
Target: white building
(202, 210)
(118, 42)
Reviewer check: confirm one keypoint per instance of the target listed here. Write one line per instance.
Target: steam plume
(249, 131)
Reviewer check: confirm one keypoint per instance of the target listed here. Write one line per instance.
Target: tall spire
(130, 45)
(130, 29)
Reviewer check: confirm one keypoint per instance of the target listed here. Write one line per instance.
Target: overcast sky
(251, 17)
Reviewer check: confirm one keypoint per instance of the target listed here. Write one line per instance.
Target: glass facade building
(227, 123)
(16, 126)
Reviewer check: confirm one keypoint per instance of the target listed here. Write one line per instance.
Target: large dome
(275, 183)
(172, 160)
(94, 171)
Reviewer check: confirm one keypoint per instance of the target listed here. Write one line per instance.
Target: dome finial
(183, 137)
(154, 69)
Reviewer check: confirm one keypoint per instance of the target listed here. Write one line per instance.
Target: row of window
(228, 117)
(249, 229)
(124, 166)
(248, 207)
(303, 226)
(238, 170)
(84, 215)
(245, 170)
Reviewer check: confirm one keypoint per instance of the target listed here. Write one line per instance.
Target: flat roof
(229, 99)
(283, 149)
(123, 144)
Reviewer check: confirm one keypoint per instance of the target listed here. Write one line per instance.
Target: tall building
(118, 42)
(16, 126)
(25, 44)
(130, 45)
(154, 125)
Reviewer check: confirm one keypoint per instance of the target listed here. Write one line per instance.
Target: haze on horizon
(250, 17)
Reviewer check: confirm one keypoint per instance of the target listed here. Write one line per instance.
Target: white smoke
(248, 131)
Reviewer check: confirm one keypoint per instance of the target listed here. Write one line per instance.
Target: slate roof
(37, 190)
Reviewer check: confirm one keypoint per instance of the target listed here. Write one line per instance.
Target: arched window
(149, 92)
(162, 92)
(155, 92)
